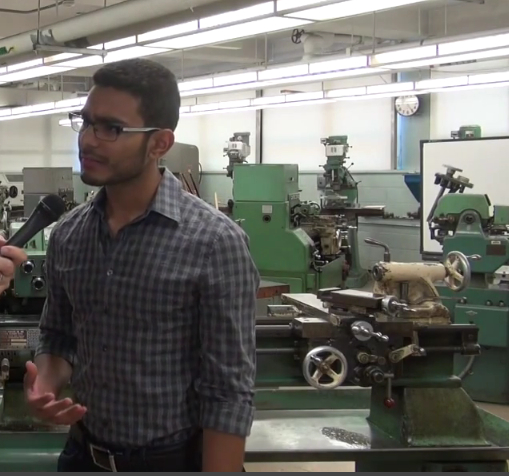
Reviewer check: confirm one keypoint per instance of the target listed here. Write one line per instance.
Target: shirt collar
(166, 202)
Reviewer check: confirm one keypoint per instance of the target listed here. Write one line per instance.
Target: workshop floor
(501, 411)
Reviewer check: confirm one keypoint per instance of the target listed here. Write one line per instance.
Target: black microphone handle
(30, 228)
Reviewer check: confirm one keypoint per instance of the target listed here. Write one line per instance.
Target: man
(151, 300)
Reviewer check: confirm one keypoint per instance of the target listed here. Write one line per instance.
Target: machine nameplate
(19, 339)
(267, 209)
(496, 248)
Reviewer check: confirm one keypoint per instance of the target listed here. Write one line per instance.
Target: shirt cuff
(58, 347)
(225, 417)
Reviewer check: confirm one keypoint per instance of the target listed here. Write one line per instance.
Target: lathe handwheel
(458, 271)
(321, 364)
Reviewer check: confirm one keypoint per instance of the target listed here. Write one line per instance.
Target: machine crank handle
(363, 331)
(474, 257)
(387, 251)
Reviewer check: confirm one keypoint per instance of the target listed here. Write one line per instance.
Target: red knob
(389, 403)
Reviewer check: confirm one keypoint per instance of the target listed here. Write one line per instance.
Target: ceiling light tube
(489, 78)
(242, 14)
(25, 65)
(240, 78)
(304, 96)
(83, 62)
(404, 55)
(339, 64)
(242, 103)
(60, 57)
(343, 93)
(167, 32)
(268, 100)
(390, 88)
(350, 8)
(134, 52)
(282, 5)
(442, 82)
(197, 84)
(475, 44)
(233, 32)
(32, 73)
(286, 72)
(5, 112)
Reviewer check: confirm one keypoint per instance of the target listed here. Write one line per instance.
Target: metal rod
(274, 351)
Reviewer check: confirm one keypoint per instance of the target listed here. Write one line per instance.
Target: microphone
(47, 211)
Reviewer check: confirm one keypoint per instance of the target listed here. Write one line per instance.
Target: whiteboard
(484, 161)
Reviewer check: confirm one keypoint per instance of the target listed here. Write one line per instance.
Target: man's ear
(160, 143)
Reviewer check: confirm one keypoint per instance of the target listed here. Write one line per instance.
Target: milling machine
(464, 222)
(237, 149)
(399, 342)
(289, 241)
(396, 342)
(340, 196)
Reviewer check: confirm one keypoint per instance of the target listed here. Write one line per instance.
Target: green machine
(464, 222)
(340, 196)
(467, 132)
(268, 207)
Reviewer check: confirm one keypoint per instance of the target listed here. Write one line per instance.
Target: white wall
(37, 142)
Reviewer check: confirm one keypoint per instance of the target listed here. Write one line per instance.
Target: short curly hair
(152, 83)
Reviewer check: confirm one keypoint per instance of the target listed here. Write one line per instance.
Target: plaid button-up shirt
(158, 322)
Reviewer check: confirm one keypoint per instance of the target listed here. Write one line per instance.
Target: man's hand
(43, 403)
(10, 258)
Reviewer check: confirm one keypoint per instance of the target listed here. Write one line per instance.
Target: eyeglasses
(103, 130)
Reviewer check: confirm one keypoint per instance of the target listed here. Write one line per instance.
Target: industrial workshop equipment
(367, 378)
(340, 196)
(289, 240)
(266, 204)
(464, 222)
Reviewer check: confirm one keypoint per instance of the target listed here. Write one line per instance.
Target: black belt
(110, 460)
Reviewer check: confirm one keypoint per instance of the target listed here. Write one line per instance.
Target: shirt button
(105, 348)
(109, 272)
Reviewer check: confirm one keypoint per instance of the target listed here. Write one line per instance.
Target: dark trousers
(81, 455)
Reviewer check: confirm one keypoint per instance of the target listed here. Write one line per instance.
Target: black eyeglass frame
(120, 129)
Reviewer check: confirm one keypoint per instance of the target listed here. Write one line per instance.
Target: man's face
(105, 161)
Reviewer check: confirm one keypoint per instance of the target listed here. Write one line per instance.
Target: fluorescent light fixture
(134, 52)
(390, 88)
(198, 84)
(32, 73)
(234, 104)
(404, 55)
(241, 78)
(82, 62)
(174, 30)
(489, 78)
(350, 8)
(232, 32)
(304, 96)
(282, 5)
(65, 103)
(60, 57)
(286, 72)
(339, 64)
(348, 92)
(43, 107)
(238, 15)
(475, 44)
(5, 112)
(442, 82)
(268, 100)
(25, 65)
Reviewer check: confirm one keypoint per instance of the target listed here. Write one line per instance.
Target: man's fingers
(37, 401)
(7, 268)
(52, 408)
(70, 416)
(16, 256)
(30, 375)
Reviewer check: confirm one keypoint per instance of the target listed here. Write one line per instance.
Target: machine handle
(387, 251)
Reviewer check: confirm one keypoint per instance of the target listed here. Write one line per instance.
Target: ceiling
(429, 21)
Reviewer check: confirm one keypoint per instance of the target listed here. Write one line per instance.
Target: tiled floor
(499, 410)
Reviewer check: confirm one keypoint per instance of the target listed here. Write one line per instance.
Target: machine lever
(387, 251)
